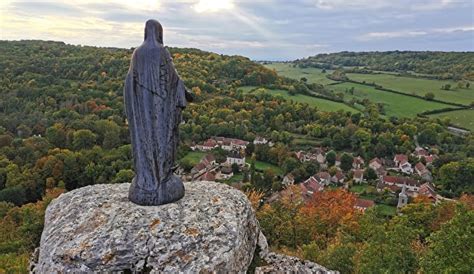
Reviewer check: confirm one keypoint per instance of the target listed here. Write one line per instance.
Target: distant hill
(445, 65)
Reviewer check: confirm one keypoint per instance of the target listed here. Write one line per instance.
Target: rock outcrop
(96, 228)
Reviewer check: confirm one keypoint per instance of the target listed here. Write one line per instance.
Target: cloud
(413, 33)
(260, 29)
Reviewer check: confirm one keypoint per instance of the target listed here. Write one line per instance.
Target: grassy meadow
(321, 104)
(194, 157)
(394, 104)
(463, 118)
(314, 75)
(419, 86)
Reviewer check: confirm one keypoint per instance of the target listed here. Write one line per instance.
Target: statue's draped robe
(154, 97)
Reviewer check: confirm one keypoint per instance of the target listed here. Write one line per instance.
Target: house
(209, 160)
(381, 186)
(427, 189)
(358, 175)
(358, 162)
(338, 177)
(405, 167)
(208, 176)
(323, 177)
(411, 184)
(289, 179)
(399, 158)
(226, 144)
(421, 169)
(420, 153)
(311, 186)
(239, 144)
(198, 169)
(376, 164)
(226, 172)
(338, 160)
(401, 161)
(235, 157)
(430, 159)
(209, 144)
(363, 204)
(260, 141)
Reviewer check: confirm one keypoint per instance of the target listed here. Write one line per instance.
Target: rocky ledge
(96, 229)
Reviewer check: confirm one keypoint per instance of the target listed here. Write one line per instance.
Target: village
(390, 183)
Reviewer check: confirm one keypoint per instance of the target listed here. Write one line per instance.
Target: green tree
(83, 139)
(429, 96)
(451, 249)
(346, 161)
(331, 157)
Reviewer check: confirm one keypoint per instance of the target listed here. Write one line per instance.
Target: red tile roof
(363, 203)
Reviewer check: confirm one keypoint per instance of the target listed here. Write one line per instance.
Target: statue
(154, 98)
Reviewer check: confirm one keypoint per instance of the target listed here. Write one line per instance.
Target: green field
(194, 157)
(394, 104)
(321, 104)
(419, 86)
(259, 165)
(314, 75)
(463, 118)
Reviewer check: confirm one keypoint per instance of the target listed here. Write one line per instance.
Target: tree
(429, 96)
(83, 139)
(346, 161)
(451, 249)
(123, 176)
(331, 157)
(388, 251)
(56, 135)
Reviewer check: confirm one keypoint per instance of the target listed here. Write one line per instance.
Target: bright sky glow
(213, 5)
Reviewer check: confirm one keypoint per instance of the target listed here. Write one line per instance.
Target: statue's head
(154, 30)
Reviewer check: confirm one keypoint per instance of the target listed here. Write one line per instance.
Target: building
(208, 176)
(401, 161)
(402, 198)
(209, 160)
(338, 177)
(358, 176)
(209, 144)
(421, 170)
(198, 170)
(363, 204)
(226, 172)
(236, 157)
(376, 164)
(323, 177)
(409, 183)
(428, 190)
(289, 179)
(358, 162)
(260, 141)
(311, 186)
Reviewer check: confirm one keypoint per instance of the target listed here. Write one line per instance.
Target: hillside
(62, 127)
(396, 95)
(443, 65)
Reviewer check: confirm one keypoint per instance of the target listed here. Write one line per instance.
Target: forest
(62, 126)
(443, 65)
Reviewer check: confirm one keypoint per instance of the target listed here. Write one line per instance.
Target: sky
(258, 29)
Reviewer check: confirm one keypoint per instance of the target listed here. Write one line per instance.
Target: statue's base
(97, 229)
(168, 191)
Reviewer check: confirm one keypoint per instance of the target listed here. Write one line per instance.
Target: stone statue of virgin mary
(154, 98)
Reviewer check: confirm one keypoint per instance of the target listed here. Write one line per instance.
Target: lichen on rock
(96, 228)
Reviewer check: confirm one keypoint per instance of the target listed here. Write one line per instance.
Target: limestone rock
(279, 263)
(96, 228)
